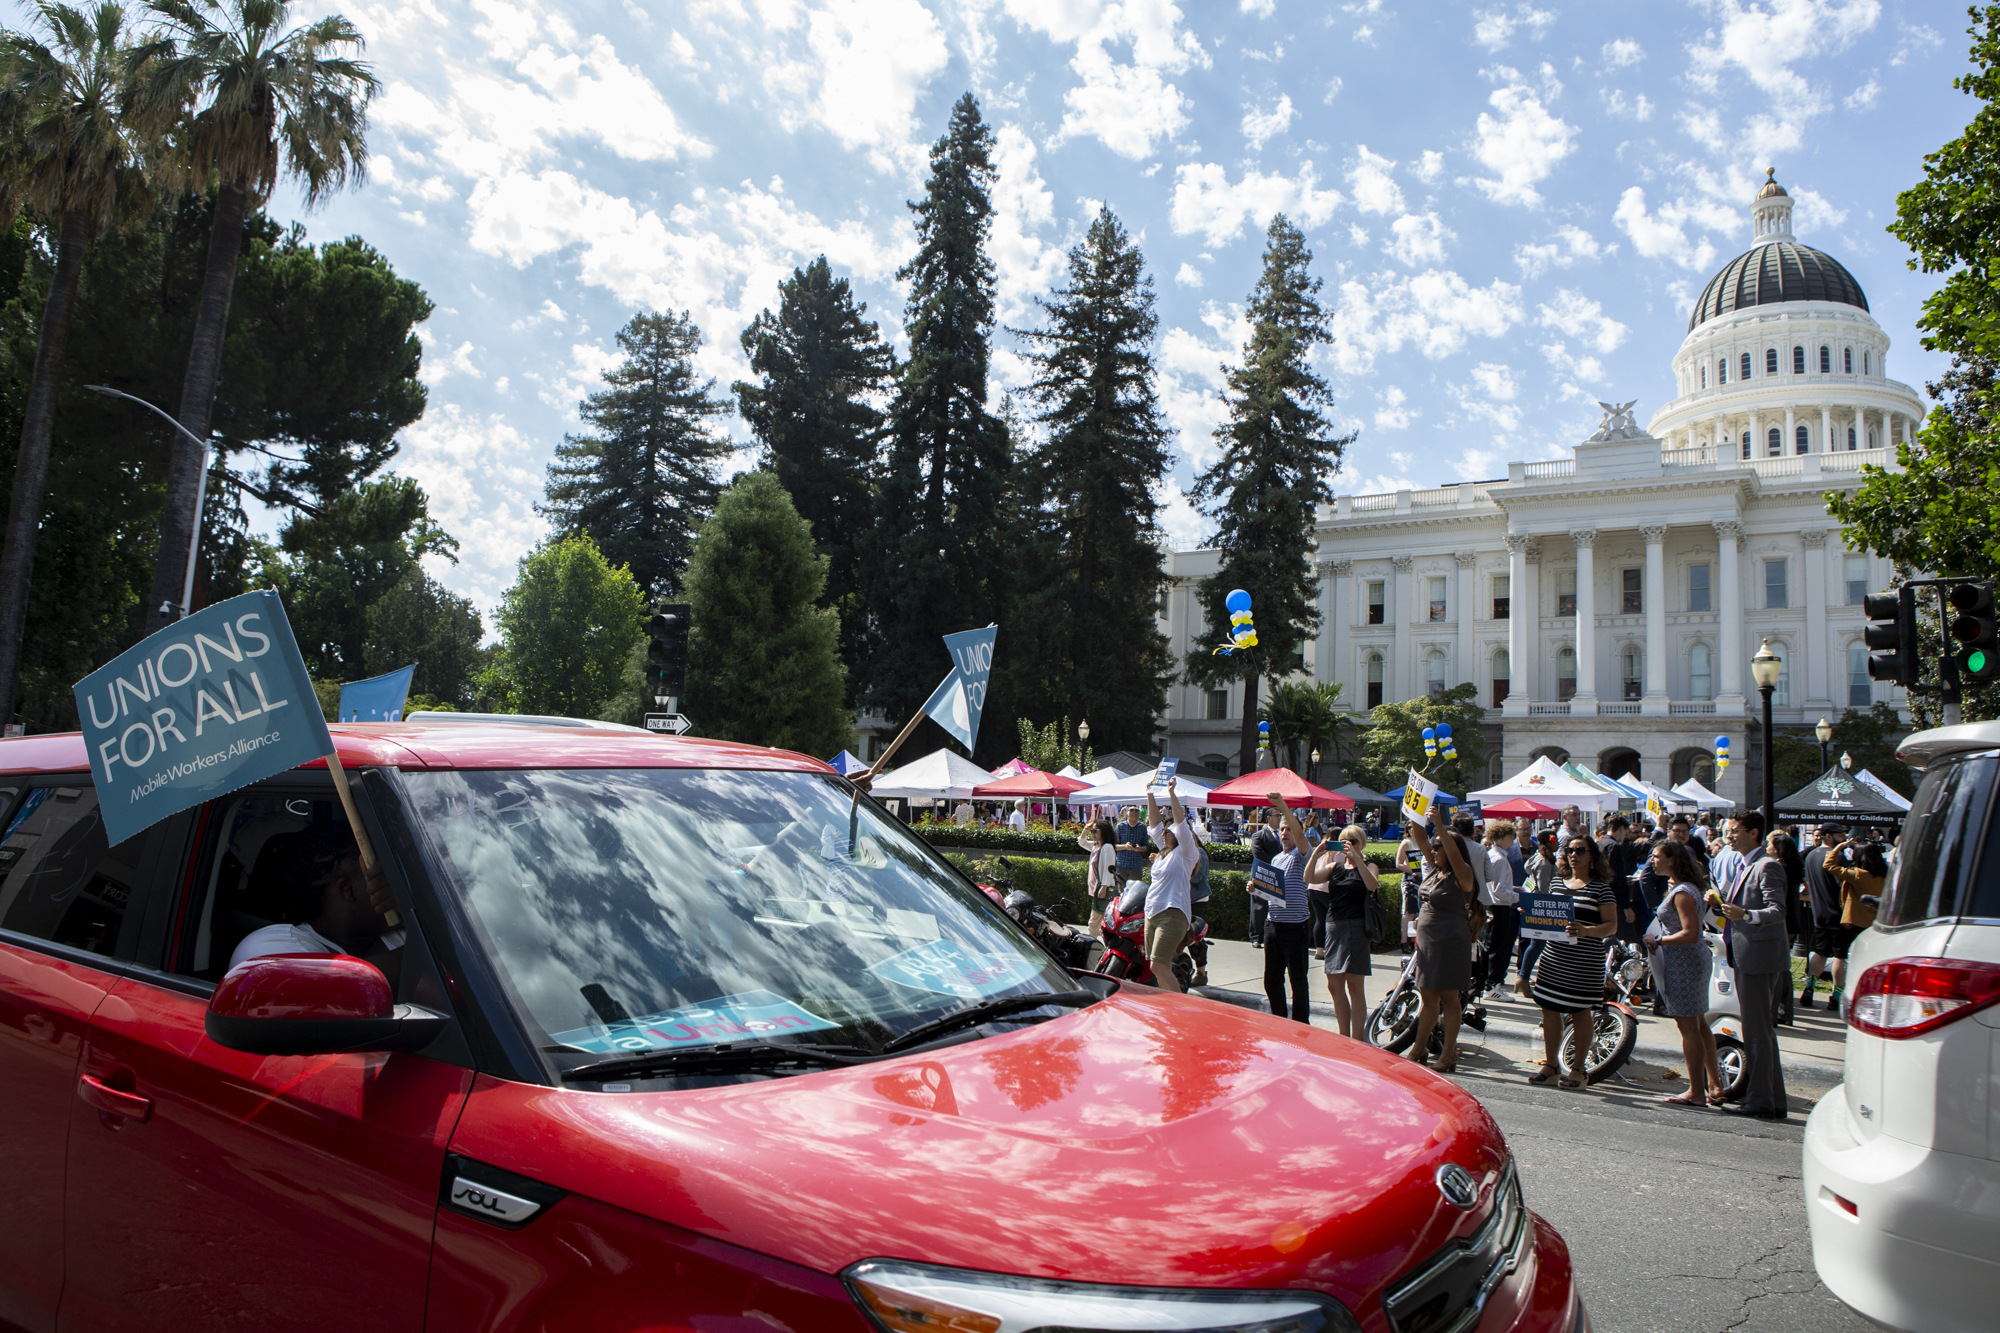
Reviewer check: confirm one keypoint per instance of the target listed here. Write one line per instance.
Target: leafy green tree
(934, 566)
(1279, 454)
(1053, 747)
(419, 621)
(821, 365)
(1303, 719)
(643, 482)
(763, 654)
(67, 153)
(1869, 737)
(1089, 486)
(566, 628)
(1395, 743)
(242, 100)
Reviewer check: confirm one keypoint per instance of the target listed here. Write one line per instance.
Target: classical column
(1656, 695)
(1333, 639)
(1786, 446)
(1860, 426)
(1399, 665)
(1815, 654)
(1718, 439)
(1521, 617)
(1467, 605)
(1730, 617)
(1826, 428)
(1756, 436)
(1585, 701)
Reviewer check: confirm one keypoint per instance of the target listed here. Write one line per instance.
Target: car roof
(416, 746)
(1928, 747)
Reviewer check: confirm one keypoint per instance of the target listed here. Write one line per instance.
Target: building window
(1774, 585)
(1798, 360)
(1859, 695)
(1722, 371)
(1635, 680)
(1166, 593)
(1632, 599)
(1701, 683)
(1850, 437)
(1847, 360)
(1218, 705)
(1566, 674)
(1374, 680)
(1565, 592)
(1434, 673)
(1825, 360)
(1503, 601)
(1704, 375)
(1745, 367)
(1746, 444)
(1854, 570)
(1698, 588)
(1770, 360)
(1375, 607)
(1774, 443)
(1782, 696)
(1864, 364)
(1803, 439)
(1437, 598)
(1502, 676)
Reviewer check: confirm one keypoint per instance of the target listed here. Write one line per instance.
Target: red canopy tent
(1031, 785)
(1520, 807)
(1255, 789)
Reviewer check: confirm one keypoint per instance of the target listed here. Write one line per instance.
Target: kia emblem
(1457, 1185)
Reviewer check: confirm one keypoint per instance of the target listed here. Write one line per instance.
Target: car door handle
(96, 1092)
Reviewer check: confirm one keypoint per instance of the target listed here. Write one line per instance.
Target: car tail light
(1907, 997)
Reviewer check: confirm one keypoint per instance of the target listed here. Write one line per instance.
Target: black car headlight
(919, 1298)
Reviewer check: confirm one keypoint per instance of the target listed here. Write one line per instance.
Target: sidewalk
(1812, 1051)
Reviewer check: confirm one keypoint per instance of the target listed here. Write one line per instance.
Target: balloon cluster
(1438, 742)
(1264, 735)
(1721, 753)
(1242, 630)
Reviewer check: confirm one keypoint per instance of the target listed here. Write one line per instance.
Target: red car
(668, 1035)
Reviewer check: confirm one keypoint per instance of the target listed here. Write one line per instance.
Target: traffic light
(1978, 654)
(666, 655)
(1893, 627)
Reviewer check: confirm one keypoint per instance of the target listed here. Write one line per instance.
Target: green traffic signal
(1979, 664)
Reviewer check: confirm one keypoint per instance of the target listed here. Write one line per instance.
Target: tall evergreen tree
(643, 482)
(1279, 454)
(821, 363)
(938, 544)
(1090, 487)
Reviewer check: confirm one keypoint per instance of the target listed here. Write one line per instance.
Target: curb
(1810, 1070)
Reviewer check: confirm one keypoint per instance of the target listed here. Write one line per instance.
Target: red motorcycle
(1124, 932)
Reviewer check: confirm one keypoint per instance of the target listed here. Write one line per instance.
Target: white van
(1902, 1161)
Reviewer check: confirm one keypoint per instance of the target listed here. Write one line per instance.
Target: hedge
(1050, 881)
(1062, 844)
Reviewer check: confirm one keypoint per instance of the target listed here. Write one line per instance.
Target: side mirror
(314, 1004)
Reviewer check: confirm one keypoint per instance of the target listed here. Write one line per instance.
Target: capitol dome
(1773, 272)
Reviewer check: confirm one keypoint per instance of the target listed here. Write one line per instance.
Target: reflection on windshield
(633, 910)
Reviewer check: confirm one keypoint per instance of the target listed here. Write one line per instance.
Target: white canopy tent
(1545, 782)
(941, 775)
(1097, 777)
(1668, 798)
(1883, 789)
(1132, 791)
(1703, 797)
(1068, 771)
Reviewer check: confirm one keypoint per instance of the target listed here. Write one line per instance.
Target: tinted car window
(1942, 838)
(62, 883)
(655, 909)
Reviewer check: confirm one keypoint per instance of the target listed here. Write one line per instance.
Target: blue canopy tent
(845, 763)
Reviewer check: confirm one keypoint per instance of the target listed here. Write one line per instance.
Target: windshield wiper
(974, 1014)
(728, 1056)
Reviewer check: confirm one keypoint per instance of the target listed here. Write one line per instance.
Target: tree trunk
(31, 465)
(1246, 757)
(184, 466)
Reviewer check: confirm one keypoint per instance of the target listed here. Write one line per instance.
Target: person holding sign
(1286, 929)
(1169, 909)
(1444, 936)
(1569, 976)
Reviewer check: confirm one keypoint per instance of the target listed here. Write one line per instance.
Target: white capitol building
(1606, 605)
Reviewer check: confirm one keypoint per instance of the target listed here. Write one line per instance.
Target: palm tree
(67, 150)
(245, 100)
(1303, 719)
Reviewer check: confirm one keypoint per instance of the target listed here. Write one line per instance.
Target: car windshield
(635, 911)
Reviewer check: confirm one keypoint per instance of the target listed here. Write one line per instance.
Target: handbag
(1375, 919)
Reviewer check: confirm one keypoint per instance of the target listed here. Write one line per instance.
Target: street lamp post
(1825, 733)
(1315, 764)
(1847, 761)
(1764, 669)
(201, 492)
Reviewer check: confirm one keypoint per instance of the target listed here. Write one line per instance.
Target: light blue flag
(960, 697)
(377, 699)
(213, 702)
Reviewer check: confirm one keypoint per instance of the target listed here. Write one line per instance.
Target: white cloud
(1863, 97)
(1495, 388)
(441, 362)
(1261, 8)
(1572, 245)
(1127, 106)
(1415, 240)
(1578, 316)
(1764, 43)
(1191, 378)
(1496, 28)
(1260, 126)
(1025, 265)
(1638, 106)
(479, 477)
(1436, 312)
(1520, 146)
(1333, 87)
(1375, 190)
(1205, 201)
(1623, 51)
(1429, 167)
(1495, 380)
(1188, 275)
(869, 62)
(1393, 415)
(1662, 234)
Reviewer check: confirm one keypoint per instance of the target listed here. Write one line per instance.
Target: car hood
(1152, 1139)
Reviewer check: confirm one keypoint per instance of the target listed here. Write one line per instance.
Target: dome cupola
(1777, 268)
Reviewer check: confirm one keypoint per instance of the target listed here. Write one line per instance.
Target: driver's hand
(376, 885)
(863, 779)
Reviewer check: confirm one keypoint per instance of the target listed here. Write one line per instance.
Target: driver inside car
(346, 907)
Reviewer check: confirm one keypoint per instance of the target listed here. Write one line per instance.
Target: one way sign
(674, 724)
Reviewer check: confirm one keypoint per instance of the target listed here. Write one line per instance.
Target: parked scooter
(1124, 932)
(1725, 1017)
(1070, 946)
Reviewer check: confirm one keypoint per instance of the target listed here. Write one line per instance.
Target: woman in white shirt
(1101, 842)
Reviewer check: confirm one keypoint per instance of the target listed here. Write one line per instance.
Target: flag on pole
(377, 699)
(960, 697)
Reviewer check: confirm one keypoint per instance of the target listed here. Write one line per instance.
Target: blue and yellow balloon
(1242, 629)
(1721, 753)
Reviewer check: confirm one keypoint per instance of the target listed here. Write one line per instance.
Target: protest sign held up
(1546, 916)
(1419, 794)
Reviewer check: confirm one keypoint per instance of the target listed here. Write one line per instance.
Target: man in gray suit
(1754, 902)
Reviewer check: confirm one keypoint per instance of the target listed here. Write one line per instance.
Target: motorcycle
(1124, 932)
(1064, 942)
(1614, 1024)
(1392, 1024)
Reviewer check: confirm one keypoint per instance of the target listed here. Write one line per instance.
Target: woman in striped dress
(1569, 978)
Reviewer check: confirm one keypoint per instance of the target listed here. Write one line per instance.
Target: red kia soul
(668, 1035)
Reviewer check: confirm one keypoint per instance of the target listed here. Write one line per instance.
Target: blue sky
(1512, 205)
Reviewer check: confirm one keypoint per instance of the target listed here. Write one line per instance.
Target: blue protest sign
(948, 968)
(213, 702)
(1267, 882)
(377, 699)
(1546, 916)
(1165, 773)
(960, 697)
